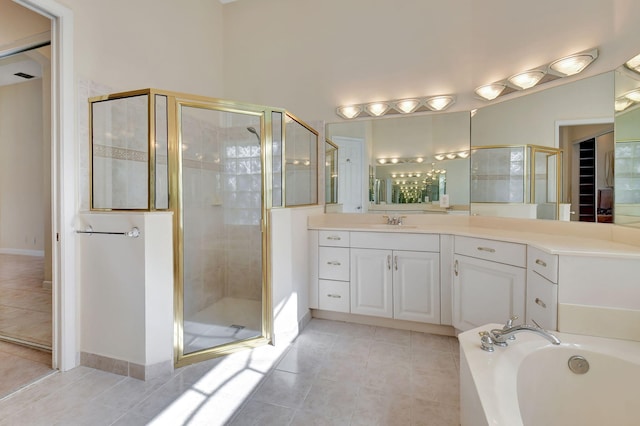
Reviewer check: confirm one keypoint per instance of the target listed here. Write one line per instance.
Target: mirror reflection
(330, 172)
(412, 164)
(558, 118)
(627, 147)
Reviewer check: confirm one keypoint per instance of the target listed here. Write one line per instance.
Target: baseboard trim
(23, 252)
(126, 368)
(443, 330)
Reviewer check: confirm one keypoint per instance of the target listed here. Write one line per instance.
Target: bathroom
(240, 42)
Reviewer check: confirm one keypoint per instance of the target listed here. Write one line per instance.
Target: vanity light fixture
(419, 160)
(407, 106)
(377, 109)
(451, 155)
(398, 106)
(573, 64)
(439, 157)
(563, 67)
(490, 91)
(463, 154)
(349, 111)
(439, 103)
(527, 79)
(394, 161)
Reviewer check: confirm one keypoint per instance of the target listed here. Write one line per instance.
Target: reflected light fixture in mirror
(633, 63)
(622, 104)
(527, 79)
(633, 95)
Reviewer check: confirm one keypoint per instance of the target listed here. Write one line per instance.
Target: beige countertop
(565, 238)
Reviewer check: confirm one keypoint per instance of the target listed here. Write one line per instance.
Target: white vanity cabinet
(396, 276)
(332, 272)
(542, 289)
(488, 283)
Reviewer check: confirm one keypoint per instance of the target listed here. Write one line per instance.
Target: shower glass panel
(120, 151)
(221, 181)
(301, 163)
(276, 154)
(161, 152)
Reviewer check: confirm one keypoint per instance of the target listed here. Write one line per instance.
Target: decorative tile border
(116, 153)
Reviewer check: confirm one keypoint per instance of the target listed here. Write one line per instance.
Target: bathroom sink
(386, 226)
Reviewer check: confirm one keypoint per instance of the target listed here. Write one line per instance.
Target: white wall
(290, 273)
(22, 215)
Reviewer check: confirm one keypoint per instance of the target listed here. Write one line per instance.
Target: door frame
(64, 183)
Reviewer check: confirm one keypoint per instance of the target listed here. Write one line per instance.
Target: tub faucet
(500, 336)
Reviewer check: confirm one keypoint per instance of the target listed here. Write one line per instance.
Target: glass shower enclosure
(219, 166)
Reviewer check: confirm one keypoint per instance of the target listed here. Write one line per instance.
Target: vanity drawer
(496, 251)
(396, 241)
(543, 263)
(333, 263)
(334, 296)
(333, 238)
(542, 301)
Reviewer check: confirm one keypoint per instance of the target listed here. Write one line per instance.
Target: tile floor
(25, 306)
(335, 373)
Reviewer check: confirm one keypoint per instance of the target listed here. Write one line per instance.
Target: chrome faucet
(395, 220)
(500, 336)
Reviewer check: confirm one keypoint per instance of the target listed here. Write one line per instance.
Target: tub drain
(578, 364)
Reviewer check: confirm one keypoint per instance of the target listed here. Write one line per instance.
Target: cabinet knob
(540, 303)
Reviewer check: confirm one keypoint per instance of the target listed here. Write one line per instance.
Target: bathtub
(529, 382)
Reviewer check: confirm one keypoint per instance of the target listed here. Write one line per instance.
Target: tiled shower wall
(497, 175)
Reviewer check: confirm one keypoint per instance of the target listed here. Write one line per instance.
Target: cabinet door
(416, 286)
(486, 292)
(371, 282)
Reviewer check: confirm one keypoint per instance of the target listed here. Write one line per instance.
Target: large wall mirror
(583, 156)
(539, 155)
(627, 146)
(412, 164)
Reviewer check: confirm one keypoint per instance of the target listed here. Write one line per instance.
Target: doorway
(588, 171)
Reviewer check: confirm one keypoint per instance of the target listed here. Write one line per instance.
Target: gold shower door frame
(176, 103)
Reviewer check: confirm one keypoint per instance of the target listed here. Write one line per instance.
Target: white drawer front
(495, 251)
(396, 241)
(334, 296)
(543, 263)
(333, 263)
(542, 301)
(334, 238)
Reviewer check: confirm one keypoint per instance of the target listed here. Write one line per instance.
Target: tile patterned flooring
(25, 306)
(334, 373)
(25, 313)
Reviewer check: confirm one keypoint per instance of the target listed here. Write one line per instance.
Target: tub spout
(500, 336)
